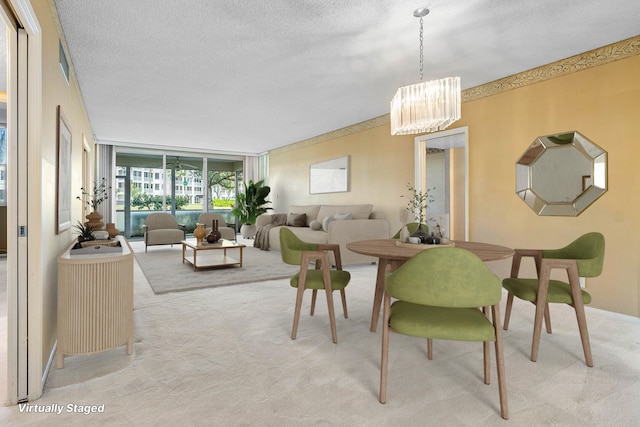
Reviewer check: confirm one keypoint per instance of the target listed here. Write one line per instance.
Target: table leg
(377, 298)
(195, 252)
(183, 247)
(241, 255)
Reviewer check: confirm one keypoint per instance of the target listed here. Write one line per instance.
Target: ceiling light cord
(421, 56)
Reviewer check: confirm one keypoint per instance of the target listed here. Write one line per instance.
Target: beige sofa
(337, 224)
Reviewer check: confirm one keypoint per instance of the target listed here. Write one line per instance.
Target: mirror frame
(593, 185)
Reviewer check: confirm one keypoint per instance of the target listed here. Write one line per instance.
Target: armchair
(162, 228)
(296, 252)
(583, 257)
(445, 293)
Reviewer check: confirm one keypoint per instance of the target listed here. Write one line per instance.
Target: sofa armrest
(351, 230)
(264, 219)
(342, 232)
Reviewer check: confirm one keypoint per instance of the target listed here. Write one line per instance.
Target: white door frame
(461, 137)
(24, 314)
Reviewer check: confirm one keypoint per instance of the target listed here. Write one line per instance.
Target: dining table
(391, 255)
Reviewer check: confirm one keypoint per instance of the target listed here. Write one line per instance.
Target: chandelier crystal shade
(425, 106)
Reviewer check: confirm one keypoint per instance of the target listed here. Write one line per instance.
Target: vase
(214, 235)
(199, 233)
(94, 220)
(404, 234)
(421, 233)
(112, 230)
(248, 231)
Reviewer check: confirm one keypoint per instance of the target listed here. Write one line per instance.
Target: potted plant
(249, 205)
(417, 206)
(95, 198)
(85, 232)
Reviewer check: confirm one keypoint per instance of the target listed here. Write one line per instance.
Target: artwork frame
(329, 176)
(63, 173)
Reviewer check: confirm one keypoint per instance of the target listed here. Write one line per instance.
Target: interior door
(16, 348)
(441, 161)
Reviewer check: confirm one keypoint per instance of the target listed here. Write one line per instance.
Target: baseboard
(52, 357)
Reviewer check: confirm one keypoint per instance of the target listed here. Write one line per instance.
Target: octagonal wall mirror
(561, 174)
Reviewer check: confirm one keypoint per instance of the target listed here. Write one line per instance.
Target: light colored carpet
(163, 267)
(223, 357)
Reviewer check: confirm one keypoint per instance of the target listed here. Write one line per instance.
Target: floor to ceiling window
(148, 182)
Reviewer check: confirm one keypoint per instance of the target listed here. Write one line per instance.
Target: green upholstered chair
(296, 252)
(582, 258)
(444, 293)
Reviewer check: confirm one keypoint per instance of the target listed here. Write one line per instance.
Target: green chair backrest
(445, 277)
(587, 250)
(291, 247)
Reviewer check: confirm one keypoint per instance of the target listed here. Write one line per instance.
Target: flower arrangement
(97, 196)
(418, 203)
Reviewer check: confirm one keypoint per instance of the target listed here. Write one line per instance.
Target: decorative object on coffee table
(214, 235)
(199, 233)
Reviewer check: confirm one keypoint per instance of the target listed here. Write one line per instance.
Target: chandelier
(425, 106)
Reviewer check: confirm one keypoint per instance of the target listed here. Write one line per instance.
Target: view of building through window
(142, 186)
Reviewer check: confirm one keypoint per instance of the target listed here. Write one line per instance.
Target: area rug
(165, 271)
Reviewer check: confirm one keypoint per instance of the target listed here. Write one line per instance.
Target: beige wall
(602, 102)
(55, 91)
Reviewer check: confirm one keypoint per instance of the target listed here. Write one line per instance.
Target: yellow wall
(55, 91)
(602, 102)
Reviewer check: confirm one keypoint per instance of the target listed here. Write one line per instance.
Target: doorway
(441, 166)
(4, 158)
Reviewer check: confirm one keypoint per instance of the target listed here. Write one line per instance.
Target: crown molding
(338, 133)
(593, 58)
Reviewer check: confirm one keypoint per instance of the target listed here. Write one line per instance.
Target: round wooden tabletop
(388, 249)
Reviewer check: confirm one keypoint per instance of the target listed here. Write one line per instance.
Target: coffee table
(209, 254)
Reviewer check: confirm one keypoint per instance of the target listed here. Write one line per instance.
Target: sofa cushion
(310, 210)
(297, 220)
(356, 211)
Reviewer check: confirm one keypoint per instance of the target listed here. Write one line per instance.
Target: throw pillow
(297, 220)
(315, 225)
(342, 216)
(328, 219)
(325, 222)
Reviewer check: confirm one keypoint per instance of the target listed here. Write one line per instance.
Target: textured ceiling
(249, 76)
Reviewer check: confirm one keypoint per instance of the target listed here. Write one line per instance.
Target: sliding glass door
(148, 183)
